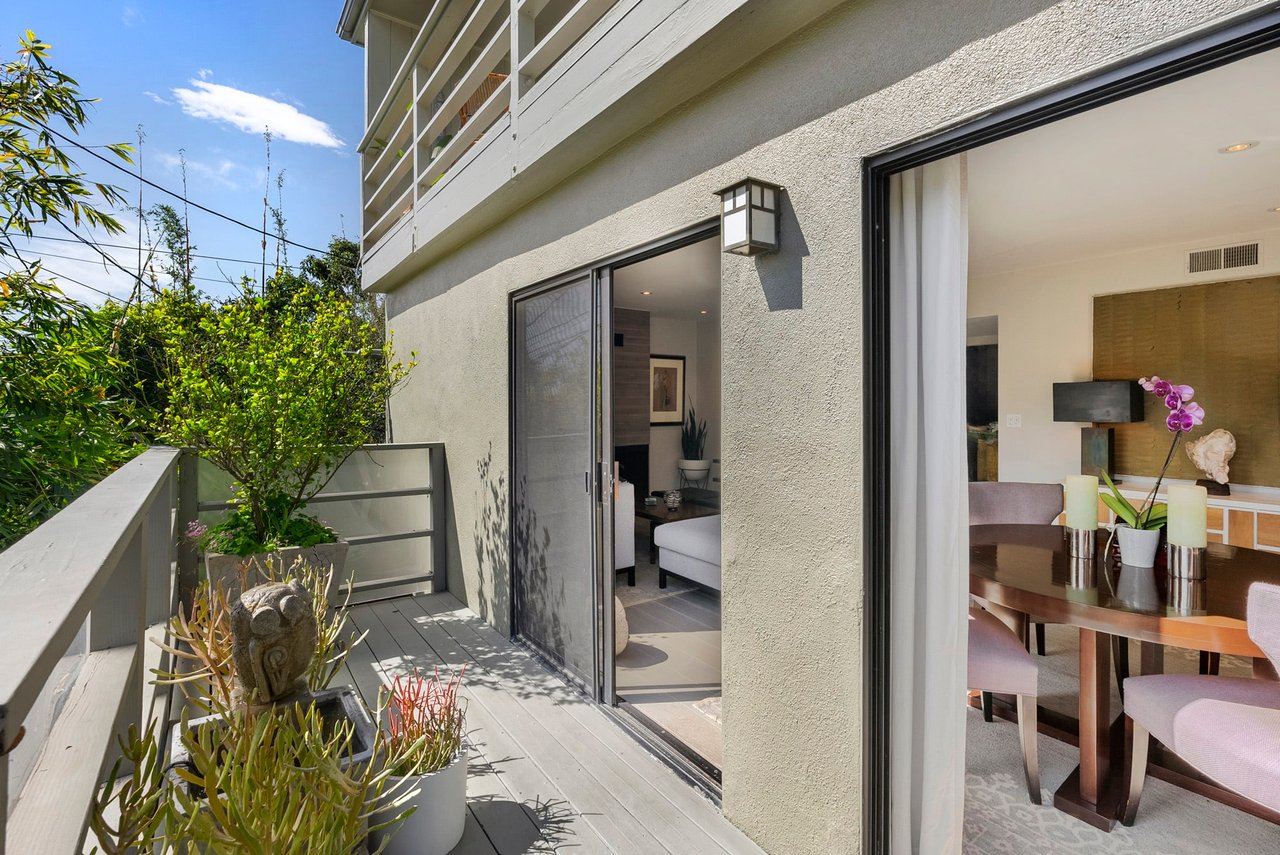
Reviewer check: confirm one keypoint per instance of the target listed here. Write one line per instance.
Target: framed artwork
(666, 389)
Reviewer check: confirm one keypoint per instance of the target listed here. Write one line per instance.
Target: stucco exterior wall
(862, 79)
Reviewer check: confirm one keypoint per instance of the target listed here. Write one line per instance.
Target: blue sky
(203, 78)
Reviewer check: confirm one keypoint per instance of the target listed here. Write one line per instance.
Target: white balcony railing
(468, 65)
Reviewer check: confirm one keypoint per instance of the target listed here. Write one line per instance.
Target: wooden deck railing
(78, 598)
(107, 560)
(468, 65)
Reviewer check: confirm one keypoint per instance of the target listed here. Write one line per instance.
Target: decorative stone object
(1212, 453)
(273, 640)
(672, 498)
(621, 630)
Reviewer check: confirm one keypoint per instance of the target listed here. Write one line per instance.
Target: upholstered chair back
(994, 502)
(1264, 619)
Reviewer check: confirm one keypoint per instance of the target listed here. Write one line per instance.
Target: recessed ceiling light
(647, 293)
(1274, 210)
(702, 311)
(1240, 146)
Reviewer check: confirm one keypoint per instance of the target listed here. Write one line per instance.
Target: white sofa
(690, 548)
(624, 531)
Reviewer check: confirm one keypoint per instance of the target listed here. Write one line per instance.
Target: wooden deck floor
(549, 771)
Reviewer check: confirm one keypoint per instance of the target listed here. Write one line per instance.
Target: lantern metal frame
(752, 244)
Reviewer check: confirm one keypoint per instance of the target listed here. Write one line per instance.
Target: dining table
(1027, 571)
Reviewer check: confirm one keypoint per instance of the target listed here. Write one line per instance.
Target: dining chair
(1013, 502)
(1227, 727)
(998, 662)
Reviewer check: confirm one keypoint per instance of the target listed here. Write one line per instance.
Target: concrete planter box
(440, 815)
(226, 568)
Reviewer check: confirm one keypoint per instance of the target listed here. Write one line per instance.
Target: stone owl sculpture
(273, 640)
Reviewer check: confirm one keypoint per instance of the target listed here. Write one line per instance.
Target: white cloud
(254, 113)
(220, 171)
(131, 15)
(204, 73)
(154, 97)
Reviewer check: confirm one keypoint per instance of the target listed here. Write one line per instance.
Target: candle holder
(1185, 597)
(1083, 573)
(1082, 542)
(1185, 562)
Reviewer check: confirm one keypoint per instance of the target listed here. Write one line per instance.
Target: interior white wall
(1046, 336)
(708, 400)
(673, 337)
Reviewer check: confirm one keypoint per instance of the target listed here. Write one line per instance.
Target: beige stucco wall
(866, 77)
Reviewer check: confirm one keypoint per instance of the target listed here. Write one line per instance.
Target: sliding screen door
(554, 529)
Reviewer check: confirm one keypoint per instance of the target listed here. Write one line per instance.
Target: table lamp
(1098, 402)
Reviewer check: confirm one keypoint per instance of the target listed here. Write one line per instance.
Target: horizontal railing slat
(51, 578)
(477, 127)
(52, 810)
(363, 539)
(402, 74)
(345, 496)
(466, 86)
(576, 22)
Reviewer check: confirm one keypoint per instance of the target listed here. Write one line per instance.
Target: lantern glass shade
(749, 222)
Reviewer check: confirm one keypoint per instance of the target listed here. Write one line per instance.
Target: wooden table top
(686, 511)
(1028, 568)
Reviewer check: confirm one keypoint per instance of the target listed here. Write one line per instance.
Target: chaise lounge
(690, 549)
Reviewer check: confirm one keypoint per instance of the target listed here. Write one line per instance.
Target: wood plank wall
(631, 378)
(1222, 338)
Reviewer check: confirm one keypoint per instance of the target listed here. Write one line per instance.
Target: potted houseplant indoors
(277, 394)
(1138, 529)
(693, 443)
(425, 721)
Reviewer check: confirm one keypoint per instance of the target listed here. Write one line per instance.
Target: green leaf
(1122, 509)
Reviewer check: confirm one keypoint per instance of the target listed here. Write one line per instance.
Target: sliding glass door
(556, 478)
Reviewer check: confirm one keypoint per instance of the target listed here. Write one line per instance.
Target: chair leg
(1210, 662)
(662, 578)
(1030, 754)
(1040, 645)
(1120, 653)
(1139, 743)
(631, 577)
(986, 706)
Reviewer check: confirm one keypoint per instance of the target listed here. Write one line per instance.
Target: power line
(132, 275)
(58, 275)
(160, 251)
(163, 189)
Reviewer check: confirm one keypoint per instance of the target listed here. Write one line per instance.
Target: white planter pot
(696, 468)
(436, 826)
(226, 568)
(1138, 546)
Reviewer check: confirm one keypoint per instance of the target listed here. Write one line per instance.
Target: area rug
(1000, 818)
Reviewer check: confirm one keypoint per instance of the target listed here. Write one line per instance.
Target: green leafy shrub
(277, 396)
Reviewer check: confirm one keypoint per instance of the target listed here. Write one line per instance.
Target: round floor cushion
(621, 632)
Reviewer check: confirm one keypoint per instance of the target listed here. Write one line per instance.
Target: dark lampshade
(1104, 401)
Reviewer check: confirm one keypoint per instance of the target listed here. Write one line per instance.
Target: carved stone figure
(273, 639)
(1212, 452)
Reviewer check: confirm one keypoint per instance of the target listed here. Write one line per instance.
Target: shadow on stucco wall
(491, 532)
(782, 273)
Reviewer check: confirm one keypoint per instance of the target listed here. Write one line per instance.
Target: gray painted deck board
(686, 820)
(549, 771)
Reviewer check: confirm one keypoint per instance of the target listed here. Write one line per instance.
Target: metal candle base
(1083, 542)
(1185, 562)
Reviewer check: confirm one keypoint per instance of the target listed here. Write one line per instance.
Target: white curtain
(929, 536)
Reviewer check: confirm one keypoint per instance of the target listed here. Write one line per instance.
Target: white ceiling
(683, 282)
(1144, 171)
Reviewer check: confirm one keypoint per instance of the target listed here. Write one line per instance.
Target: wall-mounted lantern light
(749, 221)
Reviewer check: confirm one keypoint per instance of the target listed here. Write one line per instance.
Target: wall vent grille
(1224, 257)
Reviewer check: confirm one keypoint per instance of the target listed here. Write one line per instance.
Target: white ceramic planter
(694, 468)
(226, 568)
(1138, 546)
(436, 826)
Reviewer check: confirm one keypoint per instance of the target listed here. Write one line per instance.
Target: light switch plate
(1013, 420)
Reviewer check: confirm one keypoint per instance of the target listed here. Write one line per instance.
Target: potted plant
(277, 394)
(285, 778)
(693, 442)
(425, 727)
(1138, 530)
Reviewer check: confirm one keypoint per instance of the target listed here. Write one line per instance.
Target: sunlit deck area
(548, 770)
